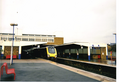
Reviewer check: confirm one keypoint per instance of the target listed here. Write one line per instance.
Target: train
(48, 52)
(45, 52)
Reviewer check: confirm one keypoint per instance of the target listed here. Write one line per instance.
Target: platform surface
(48, 71)
(94, 62)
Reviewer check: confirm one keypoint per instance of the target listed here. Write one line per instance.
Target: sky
(75, 20)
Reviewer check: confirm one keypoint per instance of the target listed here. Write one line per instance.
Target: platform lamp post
(115, 36)
(11, 59)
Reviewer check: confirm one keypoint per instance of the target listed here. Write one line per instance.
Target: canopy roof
(81, 44)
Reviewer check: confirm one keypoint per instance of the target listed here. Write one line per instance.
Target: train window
(51, 49)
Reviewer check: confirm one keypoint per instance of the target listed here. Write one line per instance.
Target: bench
(9, 56)
(8, 71)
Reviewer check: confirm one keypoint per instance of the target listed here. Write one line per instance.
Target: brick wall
(7, 50)
(57, 41)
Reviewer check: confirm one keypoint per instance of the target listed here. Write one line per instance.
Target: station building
(21, 40)
(84, 50)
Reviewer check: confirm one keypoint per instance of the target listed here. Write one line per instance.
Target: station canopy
(80, 44)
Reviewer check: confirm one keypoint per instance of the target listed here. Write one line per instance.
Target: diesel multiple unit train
(44, 52)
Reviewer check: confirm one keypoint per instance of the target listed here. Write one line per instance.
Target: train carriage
(45, 52)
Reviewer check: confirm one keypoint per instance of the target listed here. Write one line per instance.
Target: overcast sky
(75, 20)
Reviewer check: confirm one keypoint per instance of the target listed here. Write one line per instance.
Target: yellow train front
(51, 52)
(48, 52)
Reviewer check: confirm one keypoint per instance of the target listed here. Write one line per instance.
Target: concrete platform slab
(48, 71)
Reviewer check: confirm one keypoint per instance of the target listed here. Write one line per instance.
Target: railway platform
(49, 71)
(94, 61)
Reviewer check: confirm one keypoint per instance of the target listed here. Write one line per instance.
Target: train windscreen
(51, 49)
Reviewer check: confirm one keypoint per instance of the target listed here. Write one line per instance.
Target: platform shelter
(83, 50)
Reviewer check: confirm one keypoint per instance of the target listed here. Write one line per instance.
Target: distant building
(27, 37)
(25, 40)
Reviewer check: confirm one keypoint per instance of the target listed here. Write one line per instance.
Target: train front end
(51, 52)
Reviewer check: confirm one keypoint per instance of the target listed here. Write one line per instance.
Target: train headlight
(55, 55)
(48, 55)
